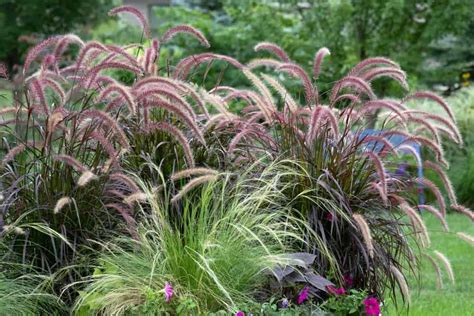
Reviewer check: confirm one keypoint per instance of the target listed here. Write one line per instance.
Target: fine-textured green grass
(455, 299)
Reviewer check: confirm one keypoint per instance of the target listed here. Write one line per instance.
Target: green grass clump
(24, 296)
(216, 251)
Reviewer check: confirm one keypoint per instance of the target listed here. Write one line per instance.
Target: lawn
(455, 299)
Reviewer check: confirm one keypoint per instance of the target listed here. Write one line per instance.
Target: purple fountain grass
(444, 178)
(91, 76)
(168, 94)
(122, 91)
(437, 214)
(124, 179)
(396, 74)
(12, 153)
(379, 167)
(285, 96)
(108, 122)
(187, 29)
(192, 172)
(371, 62)
(90, 46)
(184, 67)
(377, 105)
(136, 13)
(263, 62)
(178, 135)
(71, 161)
(64, 43)
(124, 211)
(447, 265)
(363, 226)
(318, 60)
(439, 276)
(34, 52)
(311, 94)
(419, 226)
(437, 193)
(426, 125)
(273, 48)
(36, 87)
(121, 52)
(106, 144)
(463, 210)
(56, 87)
(355, 82)
(466, 237)
(159, 103)
(431, 96)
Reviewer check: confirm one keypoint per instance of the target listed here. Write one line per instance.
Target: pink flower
(340, 291)
(168, 291)
(348, 280)
(303, 295)
(240, 313)
(332, 290)
(372, 306)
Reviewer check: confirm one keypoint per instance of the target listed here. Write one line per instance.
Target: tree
(20, 19)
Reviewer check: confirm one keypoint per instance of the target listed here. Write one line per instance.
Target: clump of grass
(72, 125)
(23, 296)
(218, 255)
(342, 174)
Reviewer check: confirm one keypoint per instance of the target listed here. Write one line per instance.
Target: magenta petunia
(303, 295)
(372, 306)
(240, 313)
(340, 291)
(168, 291)
(332, 290)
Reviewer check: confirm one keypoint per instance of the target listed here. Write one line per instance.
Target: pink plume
(433, 97)
(310, 91)
(124, 179)
(176, 133)
(122, 91)
(109, 122)
(369, 62)
(63, 44)
(436, 213)
(180, 114)
(69, 160)
(436, 192)
(38, 92)
(86, 48)
(125, 213)
(274, 49)
(318, 59)
(35, 51)
(351, 81)
(135, 12)
(396, 74)
(444, 178)
(260, 62)
(172, 32)
(463, 210)
(379, 167)
(145, 93)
